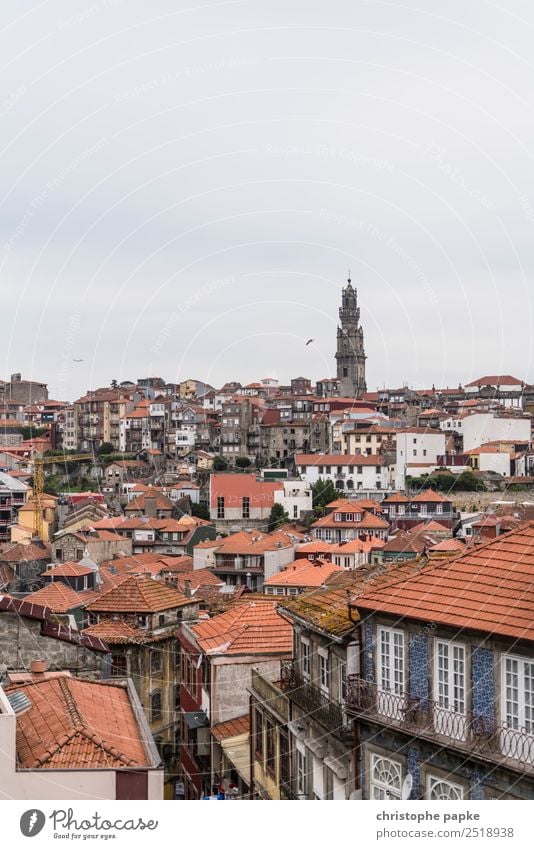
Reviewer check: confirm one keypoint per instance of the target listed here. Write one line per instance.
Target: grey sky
(184, 186)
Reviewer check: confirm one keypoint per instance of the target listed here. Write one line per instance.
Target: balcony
(466, 732)
(313, 701)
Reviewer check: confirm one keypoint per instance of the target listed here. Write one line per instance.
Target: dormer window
(338, 517)
(349, 517)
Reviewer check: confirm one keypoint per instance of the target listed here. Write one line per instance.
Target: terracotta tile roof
(231, 728)
(68, 570)
(338, 460)
(196, 578)
(60, 598)
(139, 503)
(397, 498)
(358, 545)
(430, 495)
(115, 632)
(251, 627)
(316, 547)
(75, 724)
(345, 505)
(138, 594)
(495, 380)
(327, 608)
(234, 487)
(301, 573)
(248, 542)
(488, 589)
(368, 521)
(448, 545)
(405, 542)
(430, 527)
(19, 552)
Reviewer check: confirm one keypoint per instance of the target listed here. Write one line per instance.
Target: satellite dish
(407, 786)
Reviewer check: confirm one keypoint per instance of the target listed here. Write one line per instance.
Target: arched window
(350, 484)
(340, 484)
(439, 789)
(386, 778)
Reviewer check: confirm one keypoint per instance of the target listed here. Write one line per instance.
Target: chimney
(38, 667)
(150, 507)
(187, 589)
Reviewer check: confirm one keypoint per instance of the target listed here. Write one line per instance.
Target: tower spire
(350, 354)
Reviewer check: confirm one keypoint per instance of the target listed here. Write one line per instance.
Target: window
(342, 684)
(349, 517)
(401, 510)
(295, 511)
(285, 765)
(338, 517)
(390, 672)
(79, 553)
(438, 789)
(155, 706)
(161, 620)
(518, 707)
(258, 722)
(119, 666)
(359, 470)
(305, 658)
(59, 554)
(324, 670)
(423, 509)
(177, 697)
(386, 778)
(246, 507)
(439, 508)
(155, 662)
(220, 507)
(449, 689)
(142, 621)
(301, 773)
(270, 747)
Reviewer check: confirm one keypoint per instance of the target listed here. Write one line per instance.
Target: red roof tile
(75, 724)
(252, 627)
(138, 594)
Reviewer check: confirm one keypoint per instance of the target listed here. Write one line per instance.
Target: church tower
(350, 354)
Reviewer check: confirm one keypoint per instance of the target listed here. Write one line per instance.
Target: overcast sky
(184, 185)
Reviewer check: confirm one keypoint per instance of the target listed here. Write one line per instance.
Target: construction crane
(39, 464)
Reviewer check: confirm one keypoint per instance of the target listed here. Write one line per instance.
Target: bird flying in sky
(310, 341)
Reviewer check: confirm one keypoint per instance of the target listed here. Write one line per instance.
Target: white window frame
(300, 770)
(390, 791)
(520, 719)
(450, 689)
(439, 509)
(323, 657)
(455, 791)
(305, 658)
(390, 671)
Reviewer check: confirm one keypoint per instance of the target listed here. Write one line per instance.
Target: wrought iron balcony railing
(314, 701)
(461, 729)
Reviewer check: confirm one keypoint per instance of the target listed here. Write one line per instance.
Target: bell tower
(350, 354)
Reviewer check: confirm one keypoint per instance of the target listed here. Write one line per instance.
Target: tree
(468, 482)
(243, 462)
(219, 464)
(277, 517)
(106, 448)
(200, 511)
(323, 493)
